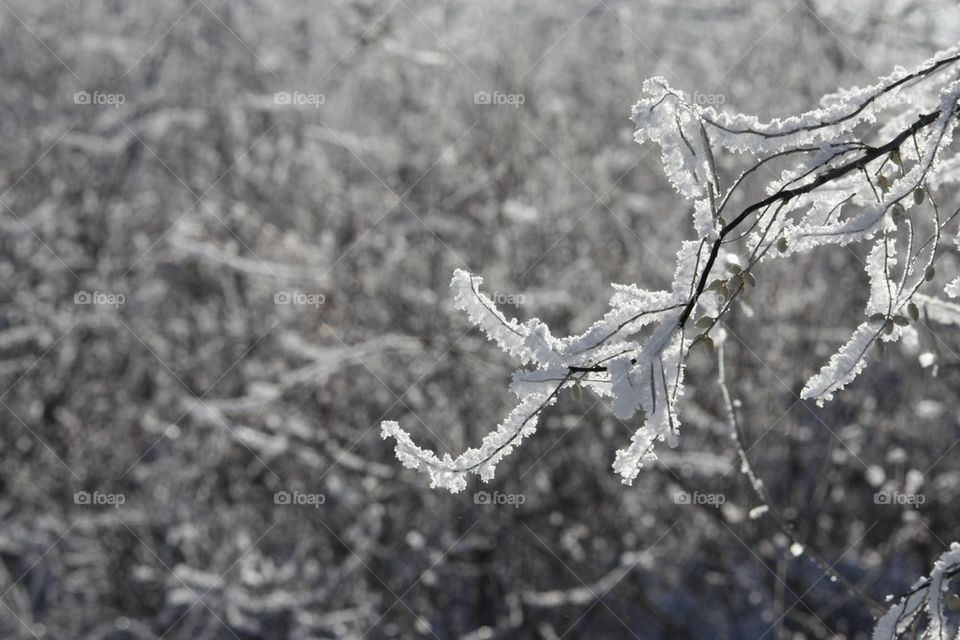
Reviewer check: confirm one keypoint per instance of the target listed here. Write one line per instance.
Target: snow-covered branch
(839, 184)
(906, 618)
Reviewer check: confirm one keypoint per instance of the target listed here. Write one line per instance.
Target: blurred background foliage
(200, 198)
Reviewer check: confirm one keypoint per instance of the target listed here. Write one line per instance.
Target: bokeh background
(227, 234)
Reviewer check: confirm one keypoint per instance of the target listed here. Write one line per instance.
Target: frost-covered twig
(767, 507)
(839, 190)
(905, 618)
